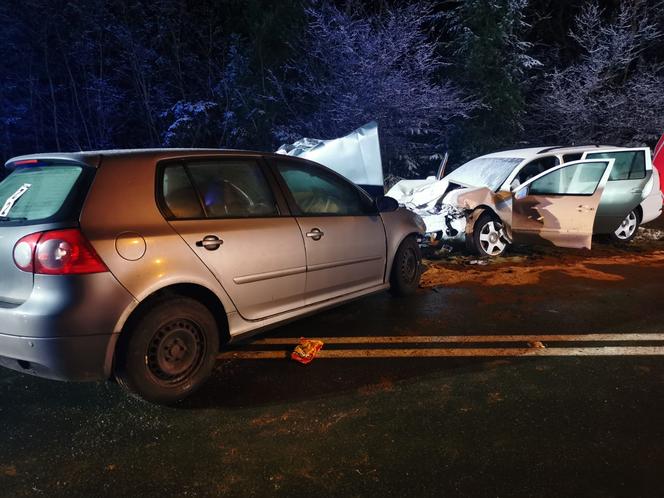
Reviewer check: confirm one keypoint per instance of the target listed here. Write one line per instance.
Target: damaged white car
(556, 195)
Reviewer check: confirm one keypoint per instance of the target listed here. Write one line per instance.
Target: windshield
(38, 193)
(484, 172)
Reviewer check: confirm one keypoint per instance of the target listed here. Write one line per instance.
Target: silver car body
(268, 270)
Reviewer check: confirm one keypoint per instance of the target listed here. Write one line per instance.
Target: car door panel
(557, 214)
(261, 263)
(227, 212)
(349, 256)
(623, 191)
(343, 234)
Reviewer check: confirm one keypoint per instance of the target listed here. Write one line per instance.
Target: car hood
(355, 156)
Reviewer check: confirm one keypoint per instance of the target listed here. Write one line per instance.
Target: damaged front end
(444, 221)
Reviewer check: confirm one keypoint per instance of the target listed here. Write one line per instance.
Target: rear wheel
(406, 269)
(169, 352)
(627, 229)
(489, 236)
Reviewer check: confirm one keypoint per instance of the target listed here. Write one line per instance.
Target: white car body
(445, 211)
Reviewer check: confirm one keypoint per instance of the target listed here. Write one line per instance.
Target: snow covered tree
(491, 59)
(611, 94)
(350, 69)
(225, 118)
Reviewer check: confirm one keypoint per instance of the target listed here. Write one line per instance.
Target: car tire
(488, 236)
(406, 268)
(627, 229)
(169, 352)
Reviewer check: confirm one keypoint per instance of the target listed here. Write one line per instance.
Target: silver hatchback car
(141, 265)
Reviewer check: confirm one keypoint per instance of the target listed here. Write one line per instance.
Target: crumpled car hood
(355, 156)
(424, 198)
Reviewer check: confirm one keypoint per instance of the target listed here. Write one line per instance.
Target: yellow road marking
(467, 338)
(454, 352)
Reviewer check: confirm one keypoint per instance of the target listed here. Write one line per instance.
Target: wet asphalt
(472, 426)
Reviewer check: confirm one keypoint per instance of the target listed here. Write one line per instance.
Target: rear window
(629, 165)
(41, 194)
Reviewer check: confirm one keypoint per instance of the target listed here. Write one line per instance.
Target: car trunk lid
(38, 195)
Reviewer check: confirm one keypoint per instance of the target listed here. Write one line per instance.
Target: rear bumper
(66, 329)
(652, 207)
(79, 358)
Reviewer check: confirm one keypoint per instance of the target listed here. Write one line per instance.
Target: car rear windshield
(484, 172)
(42, 193)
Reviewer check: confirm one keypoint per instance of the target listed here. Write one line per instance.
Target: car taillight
(24, 252)
(57, 252)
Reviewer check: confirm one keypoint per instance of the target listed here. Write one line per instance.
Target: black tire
(488, 226)
(169, 351)
(406, 268)
(627, 229)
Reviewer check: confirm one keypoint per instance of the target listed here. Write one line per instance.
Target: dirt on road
(527, 266)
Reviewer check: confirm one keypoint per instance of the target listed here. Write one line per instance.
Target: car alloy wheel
(628, 227)
(492, 238)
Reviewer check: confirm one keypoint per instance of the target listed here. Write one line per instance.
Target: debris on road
(306, 350)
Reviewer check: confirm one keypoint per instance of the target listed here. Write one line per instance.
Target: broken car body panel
(355, 156)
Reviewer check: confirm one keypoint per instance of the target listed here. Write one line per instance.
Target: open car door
(558, 206)
(624, 191)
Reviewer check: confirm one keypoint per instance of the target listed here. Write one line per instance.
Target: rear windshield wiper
(7, 218)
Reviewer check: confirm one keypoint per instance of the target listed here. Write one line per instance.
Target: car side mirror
(386, 204)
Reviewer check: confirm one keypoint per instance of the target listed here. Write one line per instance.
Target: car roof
(93, 157)
(534, 152)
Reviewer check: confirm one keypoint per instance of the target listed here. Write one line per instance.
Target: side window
(234, 188)
(222, 188)
(629, 165)
(179, 195)
(534, 168)
(576, 179)
(319, 192)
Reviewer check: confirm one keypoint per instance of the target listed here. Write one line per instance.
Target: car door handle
(210, 242)
(586, 208)
(315, 234)
(636, 190)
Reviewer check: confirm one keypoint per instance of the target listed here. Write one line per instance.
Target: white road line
(467, 338)
(453, 352)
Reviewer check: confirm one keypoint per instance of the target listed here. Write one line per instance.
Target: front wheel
(406, 269)
(489, 237)
(169, 352)
(627, 229)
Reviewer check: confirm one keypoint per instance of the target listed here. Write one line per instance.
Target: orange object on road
(306, 350)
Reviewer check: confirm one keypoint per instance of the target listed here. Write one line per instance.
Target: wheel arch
(639, 212)
(393, 247)
(195, 291)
